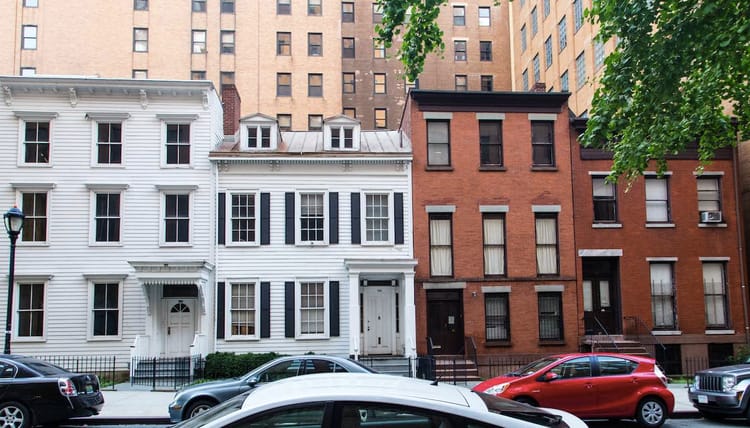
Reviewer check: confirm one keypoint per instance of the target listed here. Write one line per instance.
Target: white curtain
(588, 303)
(440, 248)
(494, 247)
(657, 200)
(546, 245)
(714, 289)
(662, 302)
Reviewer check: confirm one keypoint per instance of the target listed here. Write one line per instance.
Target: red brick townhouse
(659, 260)
(493, 221)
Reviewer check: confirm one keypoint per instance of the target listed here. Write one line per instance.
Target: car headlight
(697, 382)
(727, 383)
(497, 389)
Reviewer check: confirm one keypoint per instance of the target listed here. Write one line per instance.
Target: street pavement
(131, 403)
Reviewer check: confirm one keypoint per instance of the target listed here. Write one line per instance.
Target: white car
(353, 400)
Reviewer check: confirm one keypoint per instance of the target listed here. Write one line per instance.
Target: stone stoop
(455, 368)
(620, 345)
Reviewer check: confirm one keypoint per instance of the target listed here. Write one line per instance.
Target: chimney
(539, 87)
(230, 100)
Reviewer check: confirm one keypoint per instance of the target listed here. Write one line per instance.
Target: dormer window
(259, 137)
(341, 133)
(342, 138)
(259, 132)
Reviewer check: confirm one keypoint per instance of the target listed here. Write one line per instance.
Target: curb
(123, 420)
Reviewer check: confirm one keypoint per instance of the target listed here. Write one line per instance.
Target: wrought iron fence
(166, 373)
(105, 367)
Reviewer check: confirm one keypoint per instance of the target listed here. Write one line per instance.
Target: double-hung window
(29, 37)
(140, 4)
(459, 15)
(547, 260)
(177, 144)
(441, 244)
(199, 5)
(342, 137)
(490, 142)
(381, 118)
(484, 16)
(243, 218)
(378, 219)
(461, 82)
(459, 50)
(536, 67)
(312, 218)
(283, 7)
(314, 85)
(550, 315)
(377, 13)
(140, 39)
(259, 137)
(243, 309)
(485, 51)
(312, 309)
(548, 52)
(578, 14)
(347, 11)
(709, 197)
(227, 42)
(314, 122)
(534, 22)
(176, 218)
(199, 41)
(37, 142)
(348, 83)
(283, 43)
(663, 295)
(109, 143)
(314, 44)
(30, 307)
(107, 216)
(486, 83)
(562, 33)
(438, 143)
(283, 84)
(657, 199)
(34, 204)
(715, 289)
(347, 47)
(493, 232)
(605, 200)
(378, 49)
(227, 6)
(496, 317)
(105, 309)
(314, 7)
(542, 143)
(379, 83)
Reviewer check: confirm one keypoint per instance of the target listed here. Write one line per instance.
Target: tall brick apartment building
(493, 221)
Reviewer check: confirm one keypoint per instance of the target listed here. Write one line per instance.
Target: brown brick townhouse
(525, 248)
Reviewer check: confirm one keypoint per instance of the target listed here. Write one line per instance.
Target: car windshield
(521, 411)
(44, 367)
(225, 408)
(534, 367)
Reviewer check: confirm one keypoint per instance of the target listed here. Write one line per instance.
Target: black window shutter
(356, 239)
(265, 309)
(289, 309)
(220, 310)
(333, 297)
(333, 228)
(221, 218)
(398, 218)
(265, 218)
(289, 216)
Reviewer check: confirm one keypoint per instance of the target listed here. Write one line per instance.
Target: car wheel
(199, 407)
(14, 415)
(651, 412)
(526, 400)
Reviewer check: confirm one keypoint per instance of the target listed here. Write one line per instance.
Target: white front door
(380, 319)
(180, 326)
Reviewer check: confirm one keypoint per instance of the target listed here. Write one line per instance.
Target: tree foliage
(679, 74)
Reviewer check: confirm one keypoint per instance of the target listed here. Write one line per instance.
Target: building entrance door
(445, 320)
(180, 326)
(379, 319)
(601, 296)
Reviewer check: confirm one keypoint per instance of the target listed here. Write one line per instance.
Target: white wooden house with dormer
(314, 245)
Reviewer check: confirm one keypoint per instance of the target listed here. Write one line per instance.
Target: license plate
(703, 399)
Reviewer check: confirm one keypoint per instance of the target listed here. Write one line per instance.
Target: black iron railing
(105, 367)
(166, 373)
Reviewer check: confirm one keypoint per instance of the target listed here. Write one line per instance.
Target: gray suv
(720, 392)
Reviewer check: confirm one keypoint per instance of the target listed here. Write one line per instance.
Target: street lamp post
(13, 223)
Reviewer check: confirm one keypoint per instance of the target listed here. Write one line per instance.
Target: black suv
(721, 391)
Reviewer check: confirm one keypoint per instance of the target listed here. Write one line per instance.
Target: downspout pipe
(740, 235)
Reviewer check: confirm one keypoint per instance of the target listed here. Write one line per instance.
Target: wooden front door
(379, 320)
(445, 321)
(601, 296)
(180, 326)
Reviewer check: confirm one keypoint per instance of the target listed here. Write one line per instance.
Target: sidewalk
(139, 402)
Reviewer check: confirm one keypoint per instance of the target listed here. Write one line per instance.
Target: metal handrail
(604, 330)
(471, 348)
(640, 323)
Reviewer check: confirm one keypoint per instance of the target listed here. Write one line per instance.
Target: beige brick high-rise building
(300, 60)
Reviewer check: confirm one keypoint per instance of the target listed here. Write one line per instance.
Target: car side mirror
(550, 376)
(253, 380)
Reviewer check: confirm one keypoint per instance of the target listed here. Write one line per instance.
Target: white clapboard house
(314, 246)
(117, 251)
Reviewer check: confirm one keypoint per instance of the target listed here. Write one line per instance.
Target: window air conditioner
(710, 216)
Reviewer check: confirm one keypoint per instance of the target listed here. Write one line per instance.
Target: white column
(410, 322)
(354, 345)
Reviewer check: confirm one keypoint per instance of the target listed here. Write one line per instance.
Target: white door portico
(387, 290)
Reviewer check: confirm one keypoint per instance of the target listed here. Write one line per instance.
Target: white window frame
(723, 296)
(655, 269)
(342, 124)
(256, 309)
(46, 188)
(198, 41)
(229, 241)
(298, 309)
(29, 41)
(104, 119)
(667, 202)
(485, 21)
(176, 119)
(96, 189)
(298, 217)
(32, 116)
(28, 280)
(489, 246)
(140, 44)
(176, 190)
(101, 279)
(363, 216)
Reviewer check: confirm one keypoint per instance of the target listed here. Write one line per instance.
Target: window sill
(719, 331)
(551, 342)
(104, 339)
(544, 168)
(666, 332)
(242, 339)
(499, 344)
(175, 244)
(106, 244)
(492, 168)
(712, 225)
(438, 168)
(35, 339)
(660, 225)
(606, 226)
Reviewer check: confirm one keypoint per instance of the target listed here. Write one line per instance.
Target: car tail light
(67, 388)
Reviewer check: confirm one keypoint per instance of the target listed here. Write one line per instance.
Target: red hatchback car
(591, 386)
